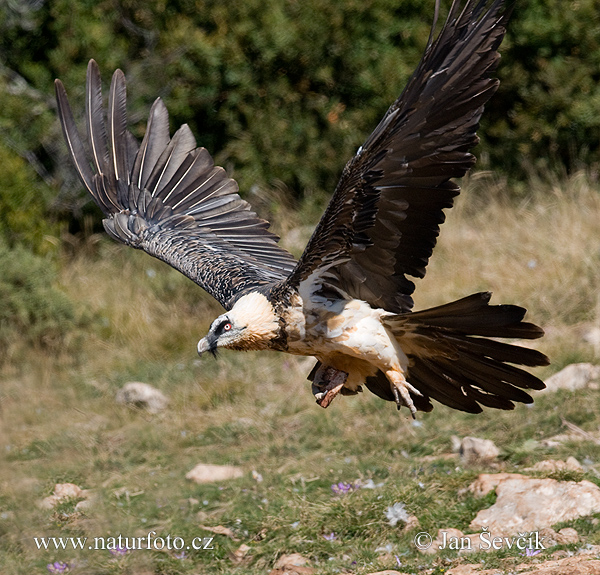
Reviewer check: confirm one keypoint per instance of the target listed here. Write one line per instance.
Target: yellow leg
(401, 389)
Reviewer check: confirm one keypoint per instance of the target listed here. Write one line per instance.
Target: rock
(142, 395)
(563, 537)
(592, 336)
(63, 492)
(240, 555)
(220, 530)
(568, 535)
(567, 566)
(68, 491)
(208, 473)
(292, 560)
(475, 450)
(525, 504)
(487, 482)
(293, 564)
(553, 465)
(573, 377)
(471, 569)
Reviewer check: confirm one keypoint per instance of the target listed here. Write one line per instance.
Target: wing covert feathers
(383, 220)
(168, 198)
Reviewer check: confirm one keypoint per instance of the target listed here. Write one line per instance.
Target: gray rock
(142, 395)
(573, 377)
(475, 450)
(525, 504)
(208, 473)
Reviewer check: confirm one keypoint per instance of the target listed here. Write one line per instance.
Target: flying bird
(347, 300)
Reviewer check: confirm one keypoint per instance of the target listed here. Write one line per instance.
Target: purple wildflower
(57, 567)
(181, 555)
(330, 537)
(398, 561)
(531, 552)
(342, 488)
(119, 551)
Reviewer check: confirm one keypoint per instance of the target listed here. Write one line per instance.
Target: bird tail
(453, 360)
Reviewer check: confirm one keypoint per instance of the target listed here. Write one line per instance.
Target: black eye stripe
(222, 327)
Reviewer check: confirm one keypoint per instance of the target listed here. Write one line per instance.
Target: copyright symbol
(423, 540)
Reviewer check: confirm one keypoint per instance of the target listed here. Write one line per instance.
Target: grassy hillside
(59, 421)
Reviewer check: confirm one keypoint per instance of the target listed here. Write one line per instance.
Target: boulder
(142, 395)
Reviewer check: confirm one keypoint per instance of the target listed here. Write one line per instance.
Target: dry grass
(59, 421)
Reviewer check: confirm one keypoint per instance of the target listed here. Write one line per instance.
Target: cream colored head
(249, 325)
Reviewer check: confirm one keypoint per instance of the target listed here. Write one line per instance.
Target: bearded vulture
(347, 300)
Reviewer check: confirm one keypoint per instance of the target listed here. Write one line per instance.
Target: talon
(400, 389)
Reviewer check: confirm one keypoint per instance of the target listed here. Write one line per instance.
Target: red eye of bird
(227, 327)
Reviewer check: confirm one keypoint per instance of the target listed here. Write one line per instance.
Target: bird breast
(349, 327)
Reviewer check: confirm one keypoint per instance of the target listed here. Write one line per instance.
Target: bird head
(222, 333)
(251, 324)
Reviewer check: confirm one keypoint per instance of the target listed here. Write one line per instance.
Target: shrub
(33, 310)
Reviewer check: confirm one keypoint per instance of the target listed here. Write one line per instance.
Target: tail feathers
(452, 361)
(473, 315)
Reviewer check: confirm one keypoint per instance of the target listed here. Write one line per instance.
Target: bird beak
(203, 346)
(208, 343)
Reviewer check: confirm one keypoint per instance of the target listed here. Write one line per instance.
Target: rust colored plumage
(347, 301)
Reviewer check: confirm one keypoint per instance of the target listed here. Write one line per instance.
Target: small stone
(240, 555)
(573, 377)
(553, 465)
(143, 396)
(220, 530)
(63, 492)
(592, 336)
(68, 491)
(567, 535)
(476, 450)
(209, 473)
(292, 564)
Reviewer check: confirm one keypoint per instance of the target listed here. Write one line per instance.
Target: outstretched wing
(383, 220)
(168, 198)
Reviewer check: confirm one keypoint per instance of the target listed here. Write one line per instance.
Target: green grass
(59, 421)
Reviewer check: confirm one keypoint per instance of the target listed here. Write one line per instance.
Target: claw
(400, 389)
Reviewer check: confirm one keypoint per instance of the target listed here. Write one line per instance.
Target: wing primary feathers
(168, 198)
(365, 242)
(73, 139)
(155, 141)
(95, 122)
(117, 114)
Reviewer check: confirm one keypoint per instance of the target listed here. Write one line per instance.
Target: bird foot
(328, 382)
(401, 390)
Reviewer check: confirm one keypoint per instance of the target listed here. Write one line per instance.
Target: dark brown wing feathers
(384, 218)
(168, 198)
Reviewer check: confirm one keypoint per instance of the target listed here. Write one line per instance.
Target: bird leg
(400, 389)
(327, 383)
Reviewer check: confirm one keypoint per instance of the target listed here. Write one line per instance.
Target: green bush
(546, 113)
(285, 91)
(33, 310)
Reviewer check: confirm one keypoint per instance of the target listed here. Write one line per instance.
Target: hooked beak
(208, 344)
